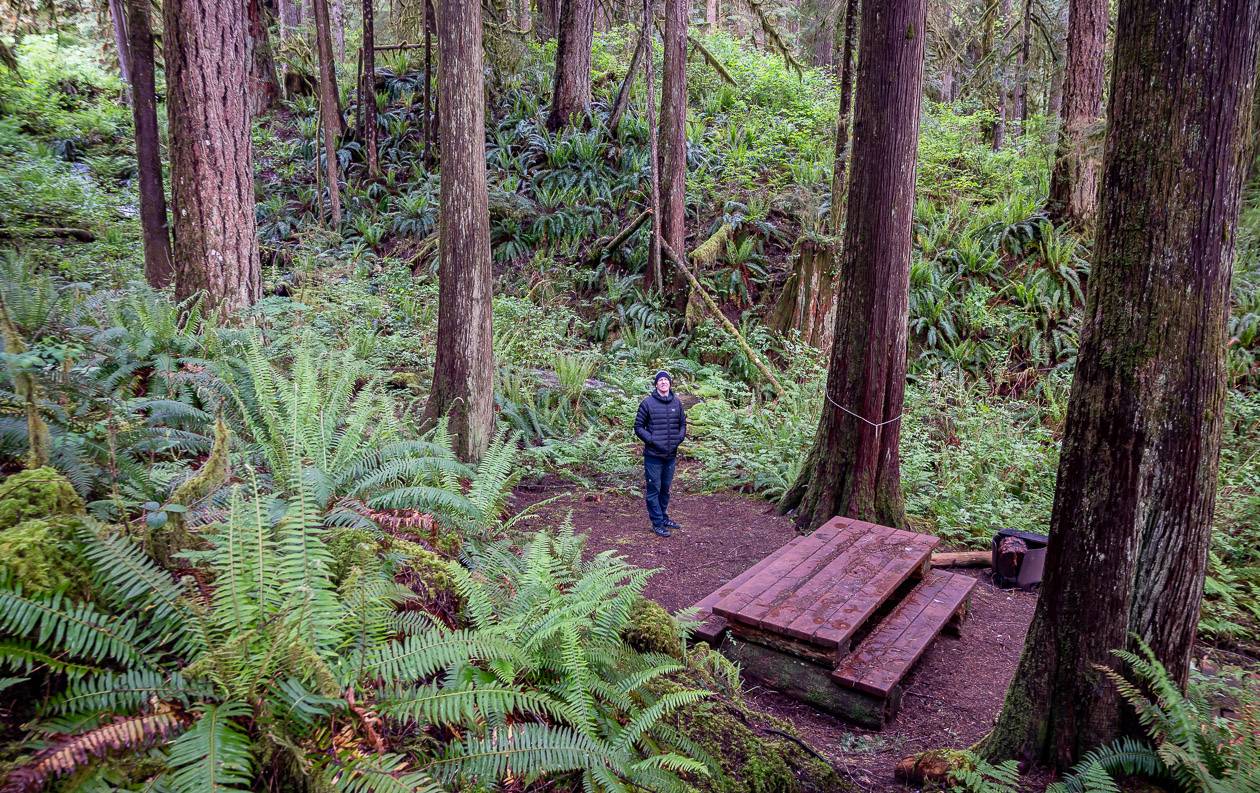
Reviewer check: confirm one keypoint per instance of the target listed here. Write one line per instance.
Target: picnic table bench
(837, 618)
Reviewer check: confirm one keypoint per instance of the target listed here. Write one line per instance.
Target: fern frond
(77, 629)
(213, 756)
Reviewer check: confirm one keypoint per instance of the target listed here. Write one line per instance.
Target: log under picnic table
(837, 618)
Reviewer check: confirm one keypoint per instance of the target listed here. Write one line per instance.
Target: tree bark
(653, 276)
(548, 14)
(1001, 75)
(853, 468)
(711, 20)
(463, 375)
(571, 94)
(1020, 110)
(290, 17)
(623, 93)
(1137, 475)
(158, 270)
(1074, 178)
(1054, 94)
(329, 107)
(119, 22)
(264, 84)
(839, 169)
(673, 142)
(337, 26)
(807, 301)
(368, 108)
(206, 45)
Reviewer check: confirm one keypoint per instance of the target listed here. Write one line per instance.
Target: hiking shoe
(670, 524)
(661, 531)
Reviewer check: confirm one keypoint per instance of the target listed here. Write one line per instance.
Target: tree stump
(807, 302)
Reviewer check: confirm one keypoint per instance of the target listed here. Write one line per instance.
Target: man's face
(662, 386)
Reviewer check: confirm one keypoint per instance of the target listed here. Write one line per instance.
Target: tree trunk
(824, 38)
(428, 120)
(711, 20)
(290, 17)
(337, 26)
(368, 108)
(524, 20)
(1136, 484)
(158, 270)
(206, 47)
(329, 107)
(839, 169)
(1074, 179)
(548, 13)
(853, 468)
(1054, 95)
(264, 85)
(572, 92)
(1020, 110)
(463, 375)
(1001, 77)
(673, 141)
(807, 301)
(654, 273)
(623, 93)
(116, 16)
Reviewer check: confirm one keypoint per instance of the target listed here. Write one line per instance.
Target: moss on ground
(747, 746)
(653, 630)
(36, 493)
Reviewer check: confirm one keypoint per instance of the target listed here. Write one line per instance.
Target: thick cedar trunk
(463, 376)
(264, 85)
(428, 120)
(853, 468)
(1074, 178)
(158, 270)
(824, 37)
(329, 107)
(839, 169)
(572, 86)
(119, 21)
(206, 47)
(711, 20)
(673, 142)
(368, 109)
(1137, 476)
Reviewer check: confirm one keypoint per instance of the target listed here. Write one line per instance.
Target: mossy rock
(652, 629)
(36, 493)
(44, 555)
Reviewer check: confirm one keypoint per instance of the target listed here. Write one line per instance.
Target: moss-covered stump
(747, 746)
(36, 493)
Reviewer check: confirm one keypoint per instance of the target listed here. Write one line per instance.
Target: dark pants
(659, 473)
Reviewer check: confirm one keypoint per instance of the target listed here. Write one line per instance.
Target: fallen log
(82, 235)
(616, 242)
(716, 311)
(962, 559)
(712, 60)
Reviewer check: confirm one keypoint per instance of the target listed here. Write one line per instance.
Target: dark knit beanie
(659, 375)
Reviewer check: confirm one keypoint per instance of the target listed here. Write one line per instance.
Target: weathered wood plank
(802, 613)
(783, 562)
(884, 658)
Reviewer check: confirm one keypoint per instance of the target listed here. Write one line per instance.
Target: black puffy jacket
(661, 424)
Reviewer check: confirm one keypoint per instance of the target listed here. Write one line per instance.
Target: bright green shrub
(43, 555)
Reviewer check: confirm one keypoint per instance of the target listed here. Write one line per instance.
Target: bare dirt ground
(951, 697)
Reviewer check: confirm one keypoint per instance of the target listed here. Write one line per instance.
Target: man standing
(662, 425)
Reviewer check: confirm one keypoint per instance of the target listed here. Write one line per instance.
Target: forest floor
(951, 697)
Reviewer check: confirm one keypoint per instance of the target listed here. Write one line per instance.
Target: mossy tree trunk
(854, 466)
(571, 93)
(158, 270)
(264, 84)
(329, 107)
(369, 86)
(1137, 477)
(206, 45)
(1074, 178)
(463, 374)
